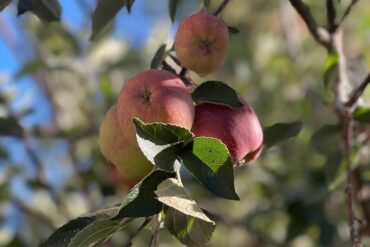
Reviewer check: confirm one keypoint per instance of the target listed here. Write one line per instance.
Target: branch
(358, 92)
(347, 11)
(331, 14)
(355, 238)
(154, 239)
(320, 34)
(221, 7)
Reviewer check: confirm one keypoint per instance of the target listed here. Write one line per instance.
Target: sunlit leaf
(209, 161)
(362, 115)
(160, 142)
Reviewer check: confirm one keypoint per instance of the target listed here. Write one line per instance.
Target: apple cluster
(156, 95)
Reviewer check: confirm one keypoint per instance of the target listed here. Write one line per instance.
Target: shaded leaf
(326, 139)
(64, 235)
(104, 13)
(280, 132)
(216, 92)
(209, 161)
(24, 6)
(9, 126)
(141, 200)
(189, 230)
(46, 10)
(95, 233)
(335, 168)
(129, 4)
(233, 30)
(362, 115)
(159, 142)
(171, 193)
(206, 3)
(4, 192)
(4, 3)
(172, 7)
(159, 56)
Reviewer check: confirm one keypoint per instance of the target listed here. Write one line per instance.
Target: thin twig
(320, 34)
(347, 11)
(358, 92)
(221, 7)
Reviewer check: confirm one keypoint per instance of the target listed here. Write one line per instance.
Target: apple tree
(252, 122)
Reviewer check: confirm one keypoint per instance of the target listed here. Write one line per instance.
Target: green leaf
(335, 168)
(9, 126)
(160, 142)
(173, 5)
(46, 10)
(95, 233)
(159, 56)
(4, 3)
(326, 139)
(64, 235)
(30, 68)
(141, 200)
(171, 193)
(233, 30)
(206, 4)
(331, 70)
(362, 115)
(189, 230)
(281, 131)
(217, 92)
(129, 4)
(209, 161)
(104, 13)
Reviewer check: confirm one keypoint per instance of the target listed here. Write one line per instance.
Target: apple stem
(178, 175)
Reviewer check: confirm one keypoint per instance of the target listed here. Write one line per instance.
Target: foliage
(292, 196)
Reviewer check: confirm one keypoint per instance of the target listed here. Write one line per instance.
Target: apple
(201, 43)
(239, 129)
(126, 157)
(120, 180)
(154, 96)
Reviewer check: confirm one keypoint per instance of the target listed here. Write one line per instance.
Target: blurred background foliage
(59, 85)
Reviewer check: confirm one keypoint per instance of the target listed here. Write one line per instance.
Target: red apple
(201, 43)
(239, 129)
(125, 156)
(154, 96)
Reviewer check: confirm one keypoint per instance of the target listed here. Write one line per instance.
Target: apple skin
(201, 43)
(239, 129)
(120, 180)
(154, 96)
(128, 159)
